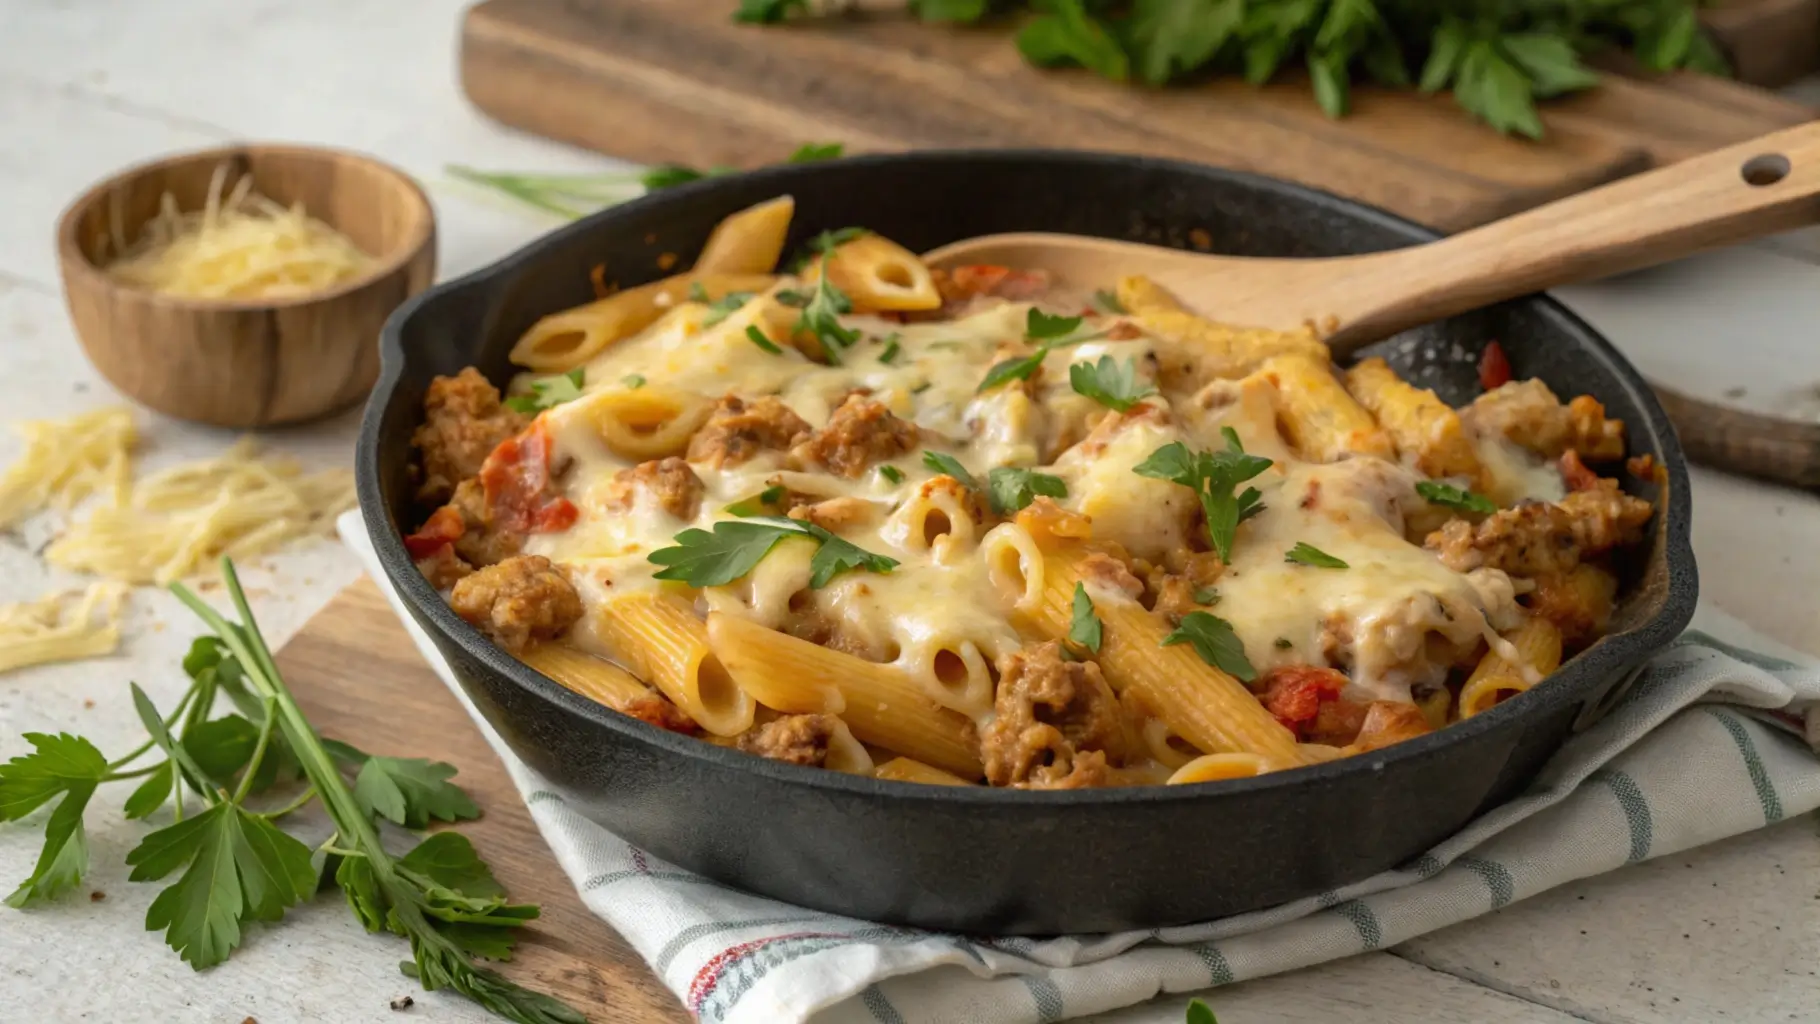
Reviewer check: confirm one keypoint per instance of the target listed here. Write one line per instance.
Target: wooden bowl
(247, 363)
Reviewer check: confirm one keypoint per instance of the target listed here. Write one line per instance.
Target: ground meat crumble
(795, 739)
(861, 432)
(1538, 538)
(675, 486)
(1055, 722)
(738, 430)
(522, 599)
(463, 421)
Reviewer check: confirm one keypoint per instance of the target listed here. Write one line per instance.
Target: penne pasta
(880, 703)
(594, 678)
(1218, 768)
(908, 769)
(878, 274)
(1318, 416)
(644, 423)
(562, 341)
(748, 242)
(1425, 429)
(1200, 703)
(659, 638)
(1537, 644)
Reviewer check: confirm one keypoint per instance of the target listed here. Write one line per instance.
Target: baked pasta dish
(971, 526)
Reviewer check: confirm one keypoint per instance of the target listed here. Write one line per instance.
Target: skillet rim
(1573, 680)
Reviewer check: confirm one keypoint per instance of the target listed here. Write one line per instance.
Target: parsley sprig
(548, 393)
(1305, 553)
(1213, 639)
(1498, 59)
(1010, 489)
(1460, 499)
(1085, 627)
(824, 305)
(703, 559)
(572, 196)
(1113, 384)
(1213, 477)
(1050, 333)
(235, 865)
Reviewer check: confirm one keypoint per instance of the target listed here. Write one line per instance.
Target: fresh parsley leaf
(723, 307)
(1213, 639)
(1067, 33)
(965, 11)
(837, 556)
(891, 473)
(1305, 553)
(820, 316)
(1213, 477)
(1108, 302)
(892, 348)
(758, 338)
(548, 392)
(763, 503)
(827, 241)
(697, 293)
(59, 765)
(448, 859)
(671, 175)
(241, 868)
(1017, 368)
(1010, 489)
(151, 794)
(1200, 1013)
(1284, 643)
(1086, 628)
(1109, 383)
(942, 462)
(412, 792)
(1170, 37)
(1454, 497)
(633, 381)
(815, 152)
(703, 559)
(1040, 326)
(1207, 595)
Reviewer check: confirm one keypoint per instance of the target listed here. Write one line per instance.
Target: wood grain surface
(357, 675)
(1769, 42)
(657, 80)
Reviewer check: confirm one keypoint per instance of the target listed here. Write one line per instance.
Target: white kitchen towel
(1716, 736)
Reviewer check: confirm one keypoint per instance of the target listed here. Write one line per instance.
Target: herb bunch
(571, 196)
(1496, 58)
(237, 865)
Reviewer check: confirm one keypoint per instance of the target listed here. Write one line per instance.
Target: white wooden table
(1728, 933)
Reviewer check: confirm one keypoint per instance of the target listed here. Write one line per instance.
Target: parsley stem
(169, 721)
(134, 774)
(295, 805)
(265, 739)
(340, 852)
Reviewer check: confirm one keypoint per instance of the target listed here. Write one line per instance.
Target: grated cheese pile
(61, 627)
(181, 519)
(68, 461)
(241, 246)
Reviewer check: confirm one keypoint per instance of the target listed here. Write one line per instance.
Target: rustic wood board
(662, 80)
(1770, 42)
(358, 676)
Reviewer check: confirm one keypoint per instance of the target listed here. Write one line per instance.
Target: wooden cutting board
(357, 674)
(680, 81)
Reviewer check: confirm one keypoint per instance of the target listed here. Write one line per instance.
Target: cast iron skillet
(993, 860)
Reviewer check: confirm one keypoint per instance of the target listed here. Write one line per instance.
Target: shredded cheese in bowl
(239, 246)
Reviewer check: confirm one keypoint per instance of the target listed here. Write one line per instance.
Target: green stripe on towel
(1753, 763)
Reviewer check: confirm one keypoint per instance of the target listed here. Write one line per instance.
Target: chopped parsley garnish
(813, 152)
(1086, 629)
(1213, 477)
(828, 241)
(1107, 302)
(942, 462)
(1010, 489)
(759, 339)
(697, 293)
(1110, 383)
(633, 381)
(1040, 326)
(892, 348)
(1207, 595)
(1455, 497)
(920, 388)
(548, 393)
(764, 501)
(703, 559)
(891, 473)
(1013, 369)
(821, 312)
(723, 307)
(1305, 553)
(1284, 643)
(1213, 639)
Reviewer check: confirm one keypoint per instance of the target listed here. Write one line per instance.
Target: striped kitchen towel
(1711, 739)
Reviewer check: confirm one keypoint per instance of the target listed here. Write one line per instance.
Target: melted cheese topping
(1395, 619)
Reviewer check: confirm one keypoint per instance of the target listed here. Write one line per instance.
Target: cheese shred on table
(179, 520)
(68, 461)
(241, 246)
(65, 626)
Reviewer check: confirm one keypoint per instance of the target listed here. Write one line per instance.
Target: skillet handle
(1784, 450)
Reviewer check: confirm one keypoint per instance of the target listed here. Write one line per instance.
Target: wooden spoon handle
(1755, 188)
(1736, 441)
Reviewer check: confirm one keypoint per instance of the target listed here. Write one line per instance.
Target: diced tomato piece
(1494, 367)
(1575, 474)
(1295, 693)
(978, 278)
(444, 527)
(516, 480)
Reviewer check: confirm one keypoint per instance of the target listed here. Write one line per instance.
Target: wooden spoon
(1755, 188)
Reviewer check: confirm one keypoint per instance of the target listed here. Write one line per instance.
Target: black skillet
(998, 861)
